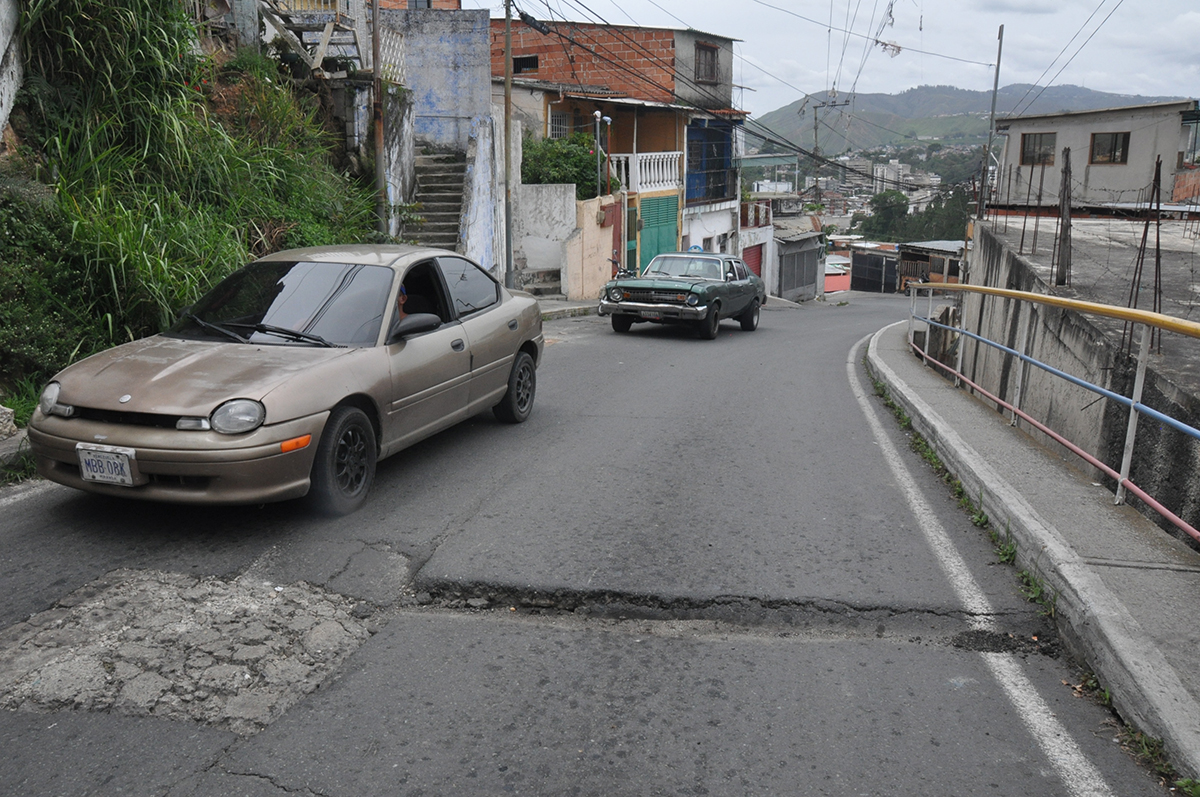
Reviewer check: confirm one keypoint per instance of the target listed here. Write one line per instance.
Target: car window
(740, 270)
(341, 302)
(471, 288)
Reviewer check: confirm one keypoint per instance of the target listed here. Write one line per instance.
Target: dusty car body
(696, 288)
(292, 377)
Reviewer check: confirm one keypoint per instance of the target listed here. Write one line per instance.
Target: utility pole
(381, 203)
(981, 205)
(508, 72)
(831, 103)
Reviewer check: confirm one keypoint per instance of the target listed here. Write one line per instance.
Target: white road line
(1077, 773)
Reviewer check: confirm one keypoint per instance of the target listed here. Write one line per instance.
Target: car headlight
(615, 294)
(238, 416)
(693, 300)
(49, 405)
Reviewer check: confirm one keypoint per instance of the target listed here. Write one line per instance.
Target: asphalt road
(697, 569)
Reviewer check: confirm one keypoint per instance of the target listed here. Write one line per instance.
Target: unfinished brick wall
(1187, 186)
(437, 5)
(637, 62)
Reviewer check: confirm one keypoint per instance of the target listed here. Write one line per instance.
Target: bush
(561, 161)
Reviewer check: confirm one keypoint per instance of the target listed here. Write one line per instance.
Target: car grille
(657, 297)
(127, 418)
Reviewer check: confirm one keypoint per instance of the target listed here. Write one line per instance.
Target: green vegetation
(145, 173)
(1036, 592)
(944, 219)
(562, 161)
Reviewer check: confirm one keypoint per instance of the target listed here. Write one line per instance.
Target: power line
(874, 39)
(1077, 52)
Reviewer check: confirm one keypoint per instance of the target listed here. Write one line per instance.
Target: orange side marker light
(295, 444)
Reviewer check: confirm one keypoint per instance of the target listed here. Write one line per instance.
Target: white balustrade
(647, 171)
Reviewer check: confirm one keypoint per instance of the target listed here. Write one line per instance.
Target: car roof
(390, 255)
(721, 255)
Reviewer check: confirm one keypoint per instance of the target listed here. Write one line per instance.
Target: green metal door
(660, 227)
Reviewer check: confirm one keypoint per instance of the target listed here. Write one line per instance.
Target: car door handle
(458, 345)
(513, 325)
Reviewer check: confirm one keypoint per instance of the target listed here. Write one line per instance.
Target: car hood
(664, 283)
(172, 376)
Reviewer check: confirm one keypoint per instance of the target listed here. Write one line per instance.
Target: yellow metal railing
(1169, 323)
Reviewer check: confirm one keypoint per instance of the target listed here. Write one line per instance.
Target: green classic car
(697, 288)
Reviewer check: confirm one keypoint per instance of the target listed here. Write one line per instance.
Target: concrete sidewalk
(1124, 588)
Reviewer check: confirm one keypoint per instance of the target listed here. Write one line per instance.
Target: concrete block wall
(637, 61)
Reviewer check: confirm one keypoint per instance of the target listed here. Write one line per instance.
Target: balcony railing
(648, 171)
(756, 214)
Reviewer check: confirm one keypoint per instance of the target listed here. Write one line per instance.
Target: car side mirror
(413, 324)
(730, 276)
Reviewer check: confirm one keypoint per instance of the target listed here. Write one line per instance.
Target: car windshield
(293, 303)
(685, 266)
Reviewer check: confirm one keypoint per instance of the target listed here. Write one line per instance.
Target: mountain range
(949, 115)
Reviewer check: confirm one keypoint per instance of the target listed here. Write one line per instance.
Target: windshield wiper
(229, 333)
(294, 334)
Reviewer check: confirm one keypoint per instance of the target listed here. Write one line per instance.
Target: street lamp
(598, 117)
(607, 146)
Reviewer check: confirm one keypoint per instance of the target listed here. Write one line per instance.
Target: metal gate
(660, 227)
(752, 256)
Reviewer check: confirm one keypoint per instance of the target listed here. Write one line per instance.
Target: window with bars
(706, 63)
(560, 124)
(1109, 148)
(1037, 148)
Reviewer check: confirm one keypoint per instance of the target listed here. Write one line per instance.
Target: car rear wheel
(711, 323)
(517, 403)
(749, 318)
(345, 465)
(621, 323)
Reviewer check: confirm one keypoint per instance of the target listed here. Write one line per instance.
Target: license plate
(105, 464)
(652, 315)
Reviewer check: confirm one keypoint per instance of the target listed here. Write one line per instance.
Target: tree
(888, 211)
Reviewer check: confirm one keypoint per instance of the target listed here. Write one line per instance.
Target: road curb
(1094, 623)
(568, 312)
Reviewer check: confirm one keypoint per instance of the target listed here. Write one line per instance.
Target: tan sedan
(292, 377)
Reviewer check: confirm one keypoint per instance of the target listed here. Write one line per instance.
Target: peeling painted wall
(448, 70)
(11, 72)
(543, 221)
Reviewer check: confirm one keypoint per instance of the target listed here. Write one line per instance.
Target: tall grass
(169, 171)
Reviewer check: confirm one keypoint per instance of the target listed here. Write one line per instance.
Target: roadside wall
(1165, 460)
(543, 223)
(587, 268)
(11, 72)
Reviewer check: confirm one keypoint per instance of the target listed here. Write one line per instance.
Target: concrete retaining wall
(1165, 460)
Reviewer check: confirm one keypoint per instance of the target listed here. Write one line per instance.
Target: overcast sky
(792, 47)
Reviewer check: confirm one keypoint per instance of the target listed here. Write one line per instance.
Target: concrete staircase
(544, 283)
(440, 193)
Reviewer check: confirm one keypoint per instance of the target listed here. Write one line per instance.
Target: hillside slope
(943, 113)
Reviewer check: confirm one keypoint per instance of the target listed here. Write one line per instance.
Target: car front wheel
(711, 323)
(621, 323)
(345, 464)
(749, 319)
(517, 403)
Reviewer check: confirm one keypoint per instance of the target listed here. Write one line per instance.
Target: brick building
(670, 137)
